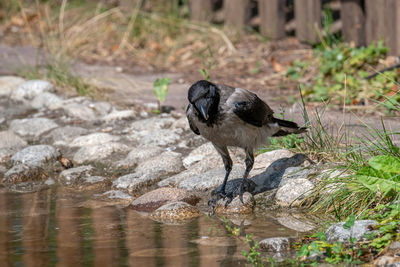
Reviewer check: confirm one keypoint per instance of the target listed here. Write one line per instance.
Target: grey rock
(73, 175)
(120, 115)
(94, 179)
(293, 191)
(394, 245)
(137, 155)
(265, 199)
(45, 100)
(200, 153)
(271, 178)
(8, 84)
(177, 178)
(211, 178)
(127, 181)
(181, 123)
(164, 165)
(94, 139)
(154, 199)
(263, 160)
(75, 100)
(22, 173)
(337, 232)
(6, 153)
(152, 124)
(9, 140)
(30, 89)
(98, 152)
(35, 155)
(63, 136)
(175, 212)
(80, 111)
(116, 194)
(32, 127)
(275, 244)
(162, 137)
(134, 182)
(387, 261)
(295, 173)
(100, 108)
(296, 222)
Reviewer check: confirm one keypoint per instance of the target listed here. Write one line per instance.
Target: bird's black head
(204, 97)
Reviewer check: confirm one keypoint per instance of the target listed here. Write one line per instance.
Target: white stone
(8, 84)
(32, 127)
(293, 191)
(30, 89)
(93, 139)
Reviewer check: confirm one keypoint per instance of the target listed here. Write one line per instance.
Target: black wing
(253, 111)
(189, 115)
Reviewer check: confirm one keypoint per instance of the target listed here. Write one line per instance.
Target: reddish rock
(161, 196)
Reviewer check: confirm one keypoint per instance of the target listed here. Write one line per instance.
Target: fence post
(375, 20)
(392, 20)
(308, 20)
(273, 17)
(237, 13)
(200, 10)
(353, 21)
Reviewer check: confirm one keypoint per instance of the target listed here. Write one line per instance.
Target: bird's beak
(204, 112)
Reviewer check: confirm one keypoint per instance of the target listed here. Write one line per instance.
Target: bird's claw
(228, 201)
(220, 193)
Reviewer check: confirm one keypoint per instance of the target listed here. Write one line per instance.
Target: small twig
(61, 20)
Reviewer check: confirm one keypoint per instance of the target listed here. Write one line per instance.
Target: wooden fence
(360, 21)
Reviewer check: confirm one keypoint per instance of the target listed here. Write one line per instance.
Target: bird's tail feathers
(287, 127)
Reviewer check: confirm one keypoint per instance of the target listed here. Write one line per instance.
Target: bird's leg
(223, 151)
(249, 165)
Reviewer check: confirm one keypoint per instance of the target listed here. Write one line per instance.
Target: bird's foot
(220, 193)
(228, 201)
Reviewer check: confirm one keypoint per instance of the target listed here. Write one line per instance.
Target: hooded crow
(229, 116)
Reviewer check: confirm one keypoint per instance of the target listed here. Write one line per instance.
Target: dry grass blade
(130, 25)
(61, 19)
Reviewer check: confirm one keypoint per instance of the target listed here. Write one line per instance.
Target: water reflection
(51, 228)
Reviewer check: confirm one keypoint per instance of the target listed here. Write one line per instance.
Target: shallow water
(51, 228)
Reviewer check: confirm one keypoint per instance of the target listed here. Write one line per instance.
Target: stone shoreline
(120, 154)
